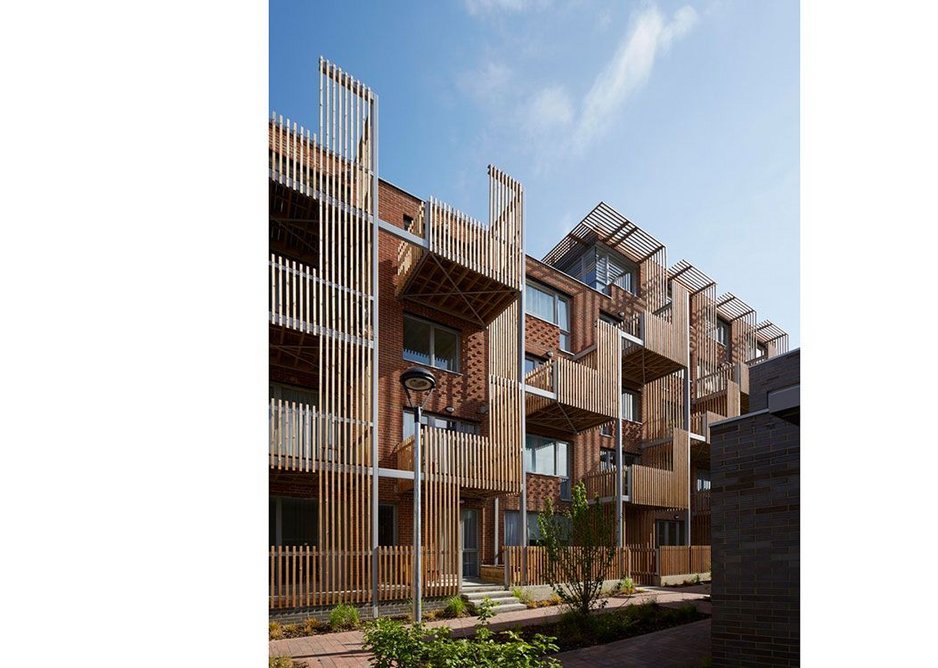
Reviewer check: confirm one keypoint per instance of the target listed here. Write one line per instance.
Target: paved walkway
(683, 646)
(345, 649)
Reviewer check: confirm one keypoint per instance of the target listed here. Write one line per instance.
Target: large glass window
(703, 481)
(551, 306)
(430, 344)
(387, 524)
(669, 532)
(723, 332)
(531, 362)
(631, 406)
(547, 456)
(513, 528)
(292, 521)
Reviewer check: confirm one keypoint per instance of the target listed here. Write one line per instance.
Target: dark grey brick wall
(775, 374)
(755, 498)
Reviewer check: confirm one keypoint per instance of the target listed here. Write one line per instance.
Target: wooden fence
(683, 559)
(643, 564)
(303, 576)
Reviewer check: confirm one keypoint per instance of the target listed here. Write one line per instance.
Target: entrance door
(469, 534)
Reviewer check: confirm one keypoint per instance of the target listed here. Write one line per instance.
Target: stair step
(498, 598)
(509, 607)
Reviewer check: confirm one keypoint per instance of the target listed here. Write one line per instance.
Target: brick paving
(335, 650)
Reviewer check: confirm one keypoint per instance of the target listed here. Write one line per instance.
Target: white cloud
(649, 35)
(550, 108)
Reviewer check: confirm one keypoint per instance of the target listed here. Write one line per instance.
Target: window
(605, 429)
(669, 532)
(531, 362)
(440, 422)
(762, 351)
(546, 456)
(723, 332)
(387, 524)
(408, 223)
(631, 406)
(288, 393)
(431, 345)
(513, 528)
(599, 267)
(703, 481)
(292, 521)
(610, 319)
(549, 305)
(607, 459)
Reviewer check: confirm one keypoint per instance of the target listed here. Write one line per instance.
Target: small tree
(580, 546)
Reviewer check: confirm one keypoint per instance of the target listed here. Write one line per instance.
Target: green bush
(522, 595)
(281, 662)
(455, 607)
(396, 645)
(344, 617)
(627, 586)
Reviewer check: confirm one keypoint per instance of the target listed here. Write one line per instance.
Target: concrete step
(509, 607)
(484, 589)
(497, 596)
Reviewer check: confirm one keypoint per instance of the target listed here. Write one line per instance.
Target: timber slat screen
(683, 559)
(337, 168)
(304, 576)
(537, 564)
(663, 483)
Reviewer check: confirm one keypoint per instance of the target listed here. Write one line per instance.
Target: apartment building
(598, 363)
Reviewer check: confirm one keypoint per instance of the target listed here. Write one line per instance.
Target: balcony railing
(301, 438)
(469, 460)
(602, 484)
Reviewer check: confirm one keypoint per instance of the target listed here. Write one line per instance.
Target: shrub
(275, 631)
(291, 630)
(455, 607)
(523, 596)
(395, 645)
(310, 626)
(430, 615)
(485, 610)
(281, 662)
(344, 617)
(627, 586)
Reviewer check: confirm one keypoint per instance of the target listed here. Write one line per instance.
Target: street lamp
(417, 381)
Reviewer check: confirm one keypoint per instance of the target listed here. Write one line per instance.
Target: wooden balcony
(721, 392)
(700, 424)
(568, 396)
(463, 267)
(302, 438)
(665, 483)
(657, 344)
(471, 461)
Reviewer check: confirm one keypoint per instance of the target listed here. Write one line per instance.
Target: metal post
(418, 561)
(618, 456)
(523, 424)
(374, 358)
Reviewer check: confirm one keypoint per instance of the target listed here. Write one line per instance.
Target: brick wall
(774, 374)
(755, 498)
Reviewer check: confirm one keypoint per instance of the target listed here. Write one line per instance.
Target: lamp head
(418, 379)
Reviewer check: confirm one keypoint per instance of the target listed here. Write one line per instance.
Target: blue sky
(683, 116)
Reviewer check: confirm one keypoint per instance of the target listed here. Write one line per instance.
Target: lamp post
(417, 380)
